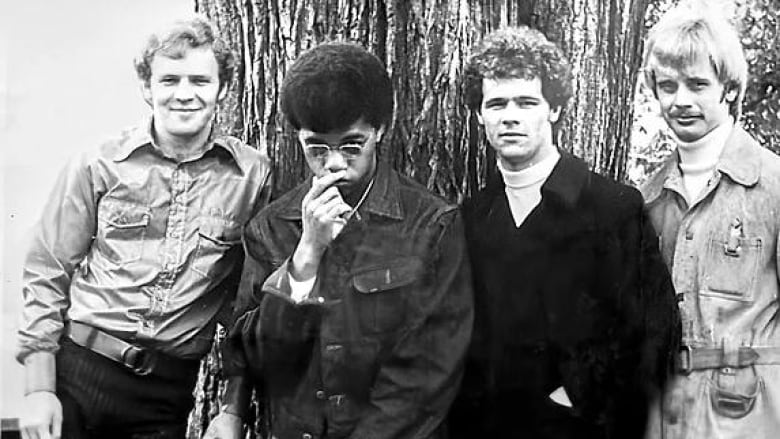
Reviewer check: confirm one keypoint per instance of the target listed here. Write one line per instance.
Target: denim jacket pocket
(730, 268)
(216, 236)
(122, 230)
(381, 303)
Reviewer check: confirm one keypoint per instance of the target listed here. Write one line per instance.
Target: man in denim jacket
(715, 204)
(355, 305)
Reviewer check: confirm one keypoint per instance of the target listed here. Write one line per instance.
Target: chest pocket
(383, 302)
(730, 268)
(122, 229)
(218, 239)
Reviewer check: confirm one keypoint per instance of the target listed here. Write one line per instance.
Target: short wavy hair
(335, 84)
(688, 32)
(519, 52)
(173, 40)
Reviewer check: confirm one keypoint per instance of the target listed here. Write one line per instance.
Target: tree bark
(425, 44)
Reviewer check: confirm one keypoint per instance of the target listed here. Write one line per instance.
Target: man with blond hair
(714, 204)
(137, 251)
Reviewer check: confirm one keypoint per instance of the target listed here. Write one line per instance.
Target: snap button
(320, 394)
(306, 436)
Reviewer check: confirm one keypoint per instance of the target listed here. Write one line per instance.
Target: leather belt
(691, 358)
(140, 360)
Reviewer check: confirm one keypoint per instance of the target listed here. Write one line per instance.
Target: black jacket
(377, 349)
(577, 297)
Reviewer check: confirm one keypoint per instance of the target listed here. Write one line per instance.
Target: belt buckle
(686, 359)
(138, 360)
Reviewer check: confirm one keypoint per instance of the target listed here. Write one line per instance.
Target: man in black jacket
(575, 312)
(355, 306)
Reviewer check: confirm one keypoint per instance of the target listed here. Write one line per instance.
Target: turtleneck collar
(702, 154)
(531, 175)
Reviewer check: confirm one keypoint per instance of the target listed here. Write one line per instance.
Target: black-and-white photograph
(385, 219)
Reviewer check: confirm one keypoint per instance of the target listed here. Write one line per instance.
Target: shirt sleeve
(300, 290)
(60, 241)
(417, 382)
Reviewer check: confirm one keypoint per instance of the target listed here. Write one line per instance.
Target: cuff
(299, 290)
(238, 392)
(40, 372)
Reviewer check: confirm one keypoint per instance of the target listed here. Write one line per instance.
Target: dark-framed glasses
(349, 150)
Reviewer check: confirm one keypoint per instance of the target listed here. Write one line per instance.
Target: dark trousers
(104, 399)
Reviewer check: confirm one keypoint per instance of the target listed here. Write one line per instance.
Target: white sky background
(66, 82)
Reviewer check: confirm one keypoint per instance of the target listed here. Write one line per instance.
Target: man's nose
(511, 114)
(683, 97)
(184, 91)
(334, 161)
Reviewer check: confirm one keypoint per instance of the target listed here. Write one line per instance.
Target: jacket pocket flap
(387, 276)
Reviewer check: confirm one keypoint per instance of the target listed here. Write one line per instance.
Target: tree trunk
(424, 44)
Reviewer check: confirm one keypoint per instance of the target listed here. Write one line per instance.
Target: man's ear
(555, 114)
(731, 95)
(380, 132)
(146, 92)
(479, 116)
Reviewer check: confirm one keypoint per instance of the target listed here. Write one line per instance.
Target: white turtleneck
(524, 187)
(698, 159)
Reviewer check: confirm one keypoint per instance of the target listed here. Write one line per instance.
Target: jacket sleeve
(646, 336)
(270, 330)
(235, 362)
(418, 381)
(60, 241)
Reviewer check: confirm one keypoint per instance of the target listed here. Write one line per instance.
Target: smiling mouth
(686, 119)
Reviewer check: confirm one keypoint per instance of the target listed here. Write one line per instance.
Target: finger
(330, 194)
(56, 424)
(331, 210)
(319, 184)
(32, 431)
(338, 210)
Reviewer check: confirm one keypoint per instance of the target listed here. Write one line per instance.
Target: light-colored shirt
(698, 159)
(140, 246)
(524, 188)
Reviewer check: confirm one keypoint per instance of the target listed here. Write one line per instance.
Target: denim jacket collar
(740, 162)
(384, 197)
(141, 136)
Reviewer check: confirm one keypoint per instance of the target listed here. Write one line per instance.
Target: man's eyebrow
(496, 100)
(526, 98)
(313, 140)
(353, 136)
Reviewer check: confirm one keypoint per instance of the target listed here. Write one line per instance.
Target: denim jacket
(376, 349)
(723, 254)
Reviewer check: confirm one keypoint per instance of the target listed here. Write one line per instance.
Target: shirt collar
(563, 186)
(738, 160)
(384, 197)
(565, 183)
(141, 136)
